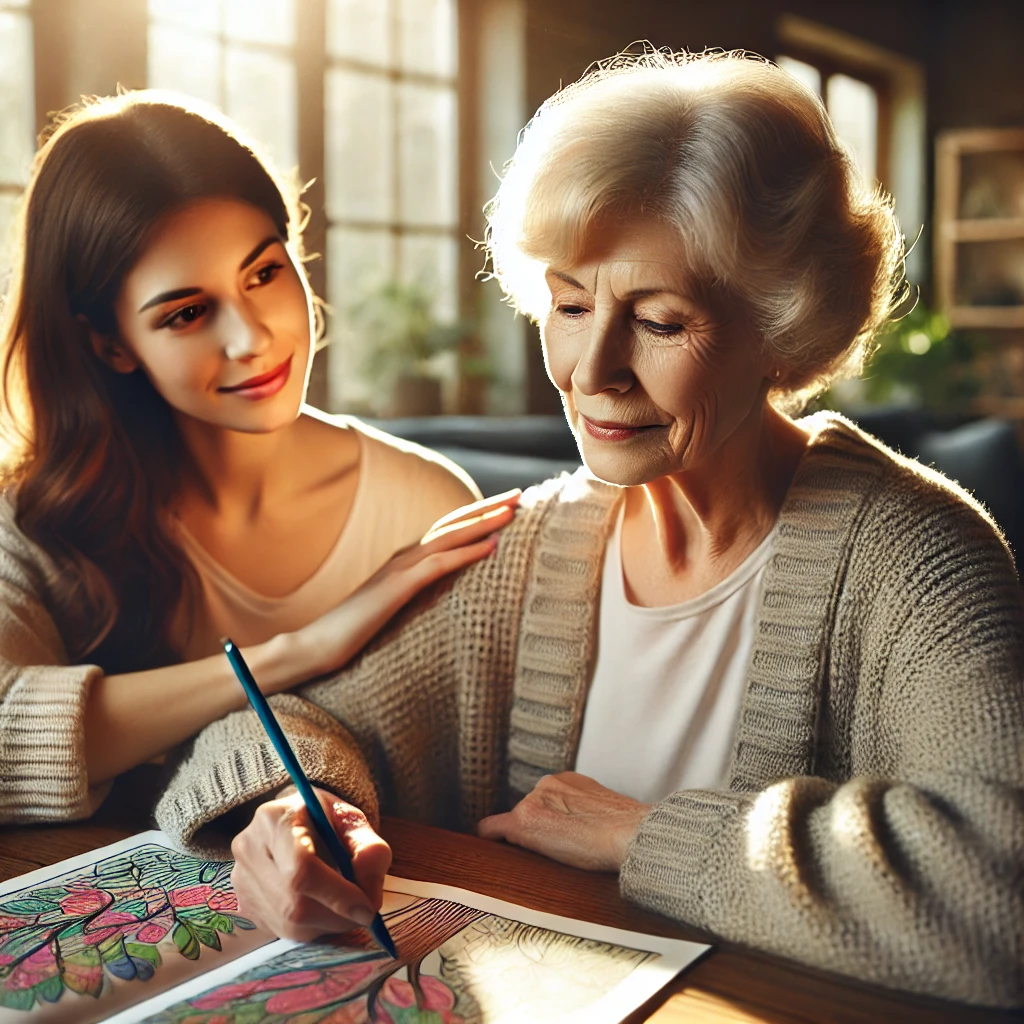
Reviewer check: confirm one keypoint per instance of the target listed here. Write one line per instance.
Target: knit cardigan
(873, 821)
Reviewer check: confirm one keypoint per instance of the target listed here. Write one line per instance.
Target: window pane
(360, 30)
(807, 73)
(358, 163)
(9, 203)
(432, 261)
(194, 15)
(853, 107)
(260, 21)
(184, 61)
(356, 260)
(17, 98)
(427, 37)
(426, 147)
(262, 95)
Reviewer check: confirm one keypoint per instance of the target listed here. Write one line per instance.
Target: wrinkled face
(652, 382)
(218, 316)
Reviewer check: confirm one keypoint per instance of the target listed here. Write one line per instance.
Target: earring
(776, 374)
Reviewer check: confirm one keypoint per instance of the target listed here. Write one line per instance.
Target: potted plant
(918, 361)
(399, 338)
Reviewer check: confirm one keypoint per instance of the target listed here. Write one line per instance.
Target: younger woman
(166, 484)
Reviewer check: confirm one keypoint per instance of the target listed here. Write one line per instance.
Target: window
(390, 141)
(17, 114)
(857, 108)
(236, 54)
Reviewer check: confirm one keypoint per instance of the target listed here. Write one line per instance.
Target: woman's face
(652, 382)
(218, 317)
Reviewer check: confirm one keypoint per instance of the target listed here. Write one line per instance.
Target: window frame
(828, 65)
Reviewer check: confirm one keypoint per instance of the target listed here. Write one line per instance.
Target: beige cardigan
(874, 819)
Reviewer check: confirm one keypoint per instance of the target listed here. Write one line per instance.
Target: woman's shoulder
(396, 460)
(901, 503)
(24, 565)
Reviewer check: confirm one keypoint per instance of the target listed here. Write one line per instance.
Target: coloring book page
(138, 932)
(464, 959)
(84, 938)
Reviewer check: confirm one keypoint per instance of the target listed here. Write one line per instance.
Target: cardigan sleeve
(232, 762)
(43, 773)
(376, 728)
(904, 867)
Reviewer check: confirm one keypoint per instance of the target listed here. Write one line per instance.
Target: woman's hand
(571, 818)
(459, 539)
(283, 885)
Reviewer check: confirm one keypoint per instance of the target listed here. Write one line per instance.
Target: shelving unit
(979, 247)
(959, 190)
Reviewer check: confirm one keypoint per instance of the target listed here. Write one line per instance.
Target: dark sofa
(504, 452)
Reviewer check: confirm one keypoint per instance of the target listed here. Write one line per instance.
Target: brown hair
(96, 456)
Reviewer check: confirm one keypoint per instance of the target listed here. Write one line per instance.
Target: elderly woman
(765, 669)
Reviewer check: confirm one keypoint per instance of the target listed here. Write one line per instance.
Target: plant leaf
(28, 905)
(186, 942)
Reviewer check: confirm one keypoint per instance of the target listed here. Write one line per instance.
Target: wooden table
(725, 985)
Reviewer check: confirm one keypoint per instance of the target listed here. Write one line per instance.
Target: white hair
(742, 160)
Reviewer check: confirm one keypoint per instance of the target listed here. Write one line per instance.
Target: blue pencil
(291, 763)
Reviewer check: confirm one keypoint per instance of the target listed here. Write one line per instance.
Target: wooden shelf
(988, 229)
(953, 232)
(987, 316)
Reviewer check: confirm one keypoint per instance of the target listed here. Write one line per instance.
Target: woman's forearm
(133, 717)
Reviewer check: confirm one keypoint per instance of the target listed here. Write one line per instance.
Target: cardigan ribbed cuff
(671, 853)
(240, 765)
(42, 747)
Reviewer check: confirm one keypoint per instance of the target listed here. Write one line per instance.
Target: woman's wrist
(280, 662)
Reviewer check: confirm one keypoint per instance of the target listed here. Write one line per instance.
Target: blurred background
(400, 114)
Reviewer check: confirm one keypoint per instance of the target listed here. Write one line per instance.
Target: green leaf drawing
(186, 941)
(28, 905)
(17, 998)
(50, 990)
(144, 951)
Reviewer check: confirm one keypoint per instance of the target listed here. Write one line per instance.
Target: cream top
(665, 699)
(403, 489)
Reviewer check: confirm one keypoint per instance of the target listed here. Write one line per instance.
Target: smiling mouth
(268, 382)
(604, 430)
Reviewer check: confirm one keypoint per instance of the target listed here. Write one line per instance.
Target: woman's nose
(244, 335)
(604, 361)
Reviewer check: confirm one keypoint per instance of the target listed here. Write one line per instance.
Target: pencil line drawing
(114, 921)
(457, 965)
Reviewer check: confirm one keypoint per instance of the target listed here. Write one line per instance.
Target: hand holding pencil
(284, 885)
(310, 887)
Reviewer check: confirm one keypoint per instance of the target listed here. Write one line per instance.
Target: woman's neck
(238, 474)
(684, 532)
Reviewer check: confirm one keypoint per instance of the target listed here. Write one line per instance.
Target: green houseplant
(399, 337)
(918, 360)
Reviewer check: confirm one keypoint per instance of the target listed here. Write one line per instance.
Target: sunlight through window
(236, 54)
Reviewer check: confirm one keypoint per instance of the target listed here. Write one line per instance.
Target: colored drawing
(72, 943)
(458, 965)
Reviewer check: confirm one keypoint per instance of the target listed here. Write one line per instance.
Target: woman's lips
(605, 431)
(263, 385)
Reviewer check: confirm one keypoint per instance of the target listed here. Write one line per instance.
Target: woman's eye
(184, 316)
(573, 312)
(665, 330)
(268, 272)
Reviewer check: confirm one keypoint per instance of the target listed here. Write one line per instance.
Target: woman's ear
(109, 350)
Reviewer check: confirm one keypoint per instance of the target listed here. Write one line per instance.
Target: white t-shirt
(665, 699)
(403, 490)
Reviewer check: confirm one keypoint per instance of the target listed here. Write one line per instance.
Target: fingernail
(362, 915)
